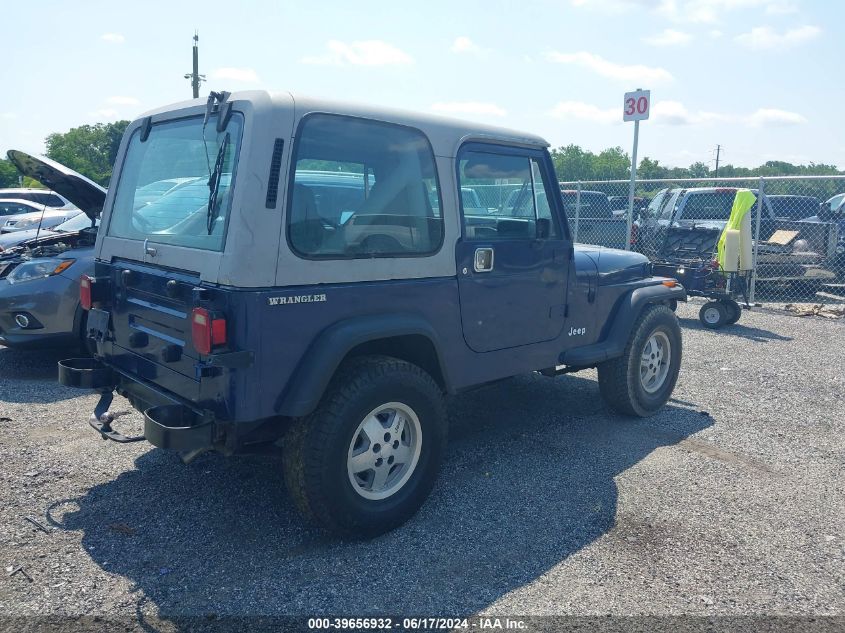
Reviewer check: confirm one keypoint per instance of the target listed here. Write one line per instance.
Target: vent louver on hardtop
(273, 179)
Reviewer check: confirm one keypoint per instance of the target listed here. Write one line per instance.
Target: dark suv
(332, 287)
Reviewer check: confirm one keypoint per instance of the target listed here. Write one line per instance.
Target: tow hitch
(102, 419)
(89, 373)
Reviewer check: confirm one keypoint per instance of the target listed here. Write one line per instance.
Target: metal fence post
(577, 211)
(760, 192)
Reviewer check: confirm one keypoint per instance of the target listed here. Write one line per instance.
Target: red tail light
(85, 292)
(634, 234)
(207, 331)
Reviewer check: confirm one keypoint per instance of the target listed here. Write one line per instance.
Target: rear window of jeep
(363, 189)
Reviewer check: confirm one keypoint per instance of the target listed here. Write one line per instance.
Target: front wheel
(364, 462)
(640, 382)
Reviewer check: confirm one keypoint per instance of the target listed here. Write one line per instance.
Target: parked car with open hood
(39, 276)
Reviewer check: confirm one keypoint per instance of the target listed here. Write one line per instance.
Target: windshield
(836, 201)
(76, 223)
(163, 191)
(653, 209)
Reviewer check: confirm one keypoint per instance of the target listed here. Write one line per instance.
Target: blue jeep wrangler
(315, 281)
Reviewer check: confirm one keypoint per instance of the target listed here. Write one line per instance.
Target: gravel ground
(729, 502)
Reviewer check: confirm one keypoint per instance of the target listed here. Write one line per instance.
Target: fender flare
(319, 363)
(630, 306)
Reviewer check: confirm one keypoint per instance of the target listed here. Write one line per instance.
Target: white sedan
(46, 219)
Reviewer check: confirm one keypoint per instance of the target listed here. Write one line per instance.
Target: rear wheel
(713, 315)
(365, 460)
(640, 382)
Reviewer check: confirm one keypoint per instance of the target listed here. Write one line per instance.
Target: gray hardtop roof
(442, 131)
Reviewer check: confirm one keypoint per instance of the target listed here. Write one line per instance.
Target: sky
(757, 77)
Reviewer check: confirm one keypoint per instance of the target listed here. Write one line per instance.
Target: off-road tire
(619, 378)
(315, 448)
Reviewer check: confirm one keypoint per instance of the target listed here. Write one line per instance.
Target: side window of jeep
(363, 189)
(512, 197)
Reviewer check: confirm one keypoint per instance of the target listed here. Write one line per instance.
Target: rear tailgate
(151, 314)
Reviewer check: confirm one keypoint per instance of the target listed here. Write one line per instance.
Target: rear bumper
(167, 423)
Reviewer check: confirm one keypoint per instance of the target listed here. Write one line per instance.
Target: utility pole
(718, 151)
(195, 76)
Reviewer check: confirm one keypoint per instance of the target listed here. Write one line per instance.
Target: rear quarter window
(362, 189)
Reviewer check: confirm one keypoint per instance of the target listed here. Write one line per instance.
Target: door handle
(482, 262)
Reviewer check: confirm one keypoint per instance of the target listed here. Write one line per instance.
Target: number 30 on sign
(637, 105)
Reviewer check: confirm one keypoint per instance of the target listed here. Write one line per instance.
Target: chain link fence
(797, 250)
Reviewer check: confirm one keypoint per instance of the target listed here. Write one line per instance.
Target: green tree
(698, 170)
(649, 168)
(8, 174)
(88, 149)
(612, 163)
(573, 163)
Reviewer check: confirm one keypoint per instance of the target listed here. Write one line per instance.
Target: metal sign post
(636, 109)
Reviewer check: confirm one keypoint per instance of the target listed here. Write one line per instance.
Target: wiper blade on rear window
(214, 185)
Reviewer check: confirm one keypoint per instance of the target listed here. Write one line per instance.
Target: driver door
(514, 254)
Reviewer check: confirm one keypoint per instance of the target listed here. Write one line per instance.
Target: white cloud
(118, 100)
(105, 113)
(766, 38)
(480, 108)
(686, 11)
(715, 34)
(8, 116)
(633, 73)
(463, 44)
(244, 75)
(668, 37)
(578, 110)
(675, 113)
(113, 38)
(363, 53)
(771, 117)
(667, 112)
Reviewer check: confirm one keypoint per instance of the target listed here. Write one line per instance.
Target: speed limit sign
(637, 105)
